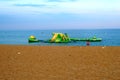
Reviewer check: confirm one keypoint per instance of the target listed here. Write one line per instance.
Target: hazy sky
(59, 14)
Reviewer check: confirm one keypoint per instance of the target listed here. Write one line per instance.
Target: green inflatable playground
(63, 38)
(60, 38)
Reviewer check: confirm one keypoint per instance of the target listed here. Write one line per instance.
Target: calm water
(111, 37)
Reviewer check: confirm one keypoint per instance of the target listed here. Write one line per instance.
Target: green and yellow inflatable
(60, 38)
(32, 39)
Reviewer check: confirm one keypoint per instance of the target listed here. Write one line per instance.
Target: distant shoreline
(53, 45)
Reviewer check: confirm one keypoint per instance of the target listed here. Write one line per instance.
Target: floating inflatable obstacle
(32, 39)
(60, 38)
(93, 39)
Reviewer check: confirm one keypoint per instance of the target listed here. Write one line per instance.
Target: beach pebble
(18, 52)
(103, 47)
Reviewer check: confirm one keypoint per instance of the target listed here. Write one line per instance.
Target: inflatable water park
(63, 38)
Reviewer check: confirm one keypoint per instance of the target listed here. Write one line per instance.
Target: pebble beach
(19, 62)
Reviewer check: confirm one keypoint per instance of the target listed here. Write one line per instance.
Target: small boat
(93, 39)
(33, 39)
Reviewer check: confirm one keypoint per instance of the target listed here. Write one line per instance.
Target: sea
(110, 37)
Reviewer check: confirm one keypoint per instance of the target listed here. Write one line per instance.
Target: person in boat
(88, 43)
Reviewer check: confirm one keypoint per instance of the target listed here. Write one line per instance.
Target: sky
(59, 14)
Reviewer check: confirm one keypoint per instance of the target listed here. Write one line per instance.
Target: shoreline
(33, 62)
(56, 45)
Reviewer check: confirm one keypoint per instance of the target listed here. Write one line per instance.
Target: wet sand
(59, 63)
